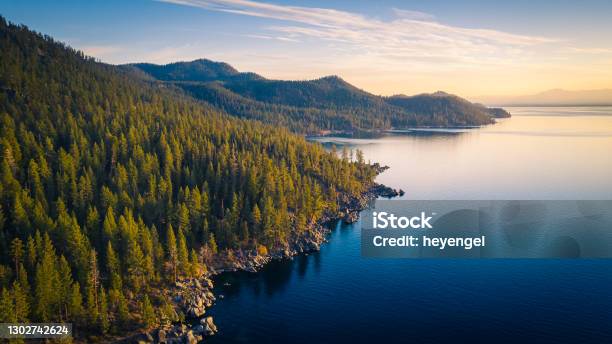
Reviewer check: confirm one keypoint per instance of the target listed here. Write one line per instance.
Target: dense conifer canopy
(111, 185)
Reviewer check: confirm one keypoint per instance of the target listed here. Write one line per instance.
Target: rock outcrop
(191, 297)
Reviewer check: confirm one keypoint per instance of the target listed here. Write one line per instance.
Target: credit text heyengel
(385, 220)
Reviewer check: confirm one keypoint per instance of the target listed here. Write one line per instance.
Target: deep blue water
(336, 296)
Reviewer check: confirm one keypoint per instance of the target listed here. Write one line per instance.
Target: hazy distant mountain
(312, 106)
(554, 97)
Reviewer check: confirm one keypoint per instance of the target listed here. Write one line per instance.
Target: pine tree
(47, 281)
(183, 218)
(183, 253)
(109, 226)
(194, 264)
(65, 286)
(75, 307)
(20, 217)
(256, 217)
(24, 282)
(212, 243)
(123, 314)
(17, 252)
(7, 307)
(360, 158)
(92, 223)
(93, 282)
(113, 268)
(92, 308)
(104, 322)
(205, 231)
(136, 264)
(22, 307)
(31, 253)
(172, 252)
(205, 201)
(148, 313)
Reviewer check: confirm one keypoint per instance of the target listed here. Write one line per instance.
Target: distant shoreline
(376, 133)
(552, 105)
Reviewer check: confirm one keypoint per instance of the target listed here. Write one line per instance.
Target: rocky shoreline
(192, 297)
(311, 239)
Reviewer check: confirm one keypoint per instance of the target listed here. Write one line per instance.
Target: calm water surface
(336, 296)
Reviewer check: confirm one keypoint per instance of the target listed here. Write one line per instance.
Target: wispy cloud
(589, 50)
(277, 38)
(416, 15)
(409, 52)
(410, 34)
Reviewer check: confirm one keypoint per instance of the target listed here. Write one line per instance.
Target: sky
(472, 48)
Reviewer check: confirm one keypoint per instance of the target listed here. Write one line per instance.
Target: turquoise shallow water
(337, 296)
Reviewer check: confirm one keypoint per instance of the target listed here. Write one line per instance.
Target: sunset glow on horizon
(471, 49)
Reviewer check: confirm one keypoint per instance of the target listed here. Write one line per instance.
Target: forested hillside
(297, 119)
(447, 109)
(315, 106)
(112, 186)
(198, 70)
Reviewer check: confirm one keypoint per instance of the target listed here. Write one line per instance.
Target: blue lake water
(337, 296)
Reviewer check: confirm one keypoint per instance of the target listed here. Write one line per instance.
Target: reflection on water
(337, 296)
(529, 156)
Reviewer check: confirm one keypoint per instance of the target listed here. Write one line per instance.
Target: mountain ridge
(199, 70)
(318, 105)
